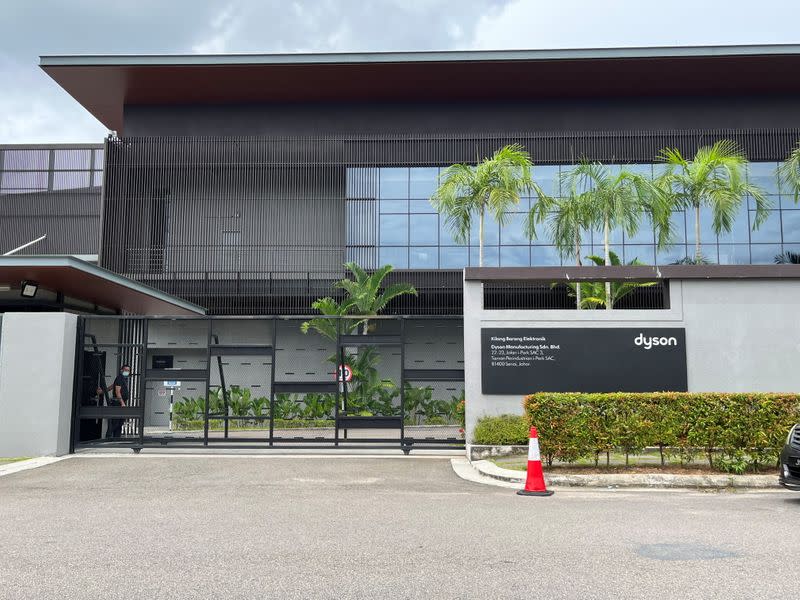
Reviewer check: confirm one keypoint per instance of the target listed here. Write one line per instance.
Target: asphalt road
(280, 527)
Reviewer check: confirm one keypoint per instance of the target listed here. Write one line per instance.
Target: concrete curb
(490, 470)
(31, 463)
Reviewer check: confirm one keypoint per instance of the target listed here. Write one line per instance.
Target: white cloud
(224, 26)
(631, 23)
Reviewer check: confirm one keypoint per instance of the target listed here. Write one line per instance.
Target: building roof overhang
(90, 283)
(104, 84)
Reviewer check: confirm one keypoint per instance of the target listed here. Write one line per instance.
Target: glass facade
(409, 234)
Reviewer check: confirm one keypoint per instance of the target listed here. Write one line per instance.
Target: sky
(33, 109)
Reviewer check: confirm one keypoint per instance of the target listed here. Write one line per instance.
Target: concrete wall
(37, 363)
(741, 335)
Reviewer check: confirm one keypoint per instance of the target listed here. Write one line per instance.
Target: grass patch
(5, 461)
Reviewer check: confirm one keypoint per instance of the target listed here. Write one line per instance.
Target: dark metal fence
(263, 382)
(517, 295)
(218, 220)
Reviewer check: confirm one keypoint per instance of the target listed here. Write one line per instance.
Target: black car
(790, 460)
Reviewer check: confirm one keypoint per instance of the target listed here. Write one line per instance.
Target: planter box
(476, 452)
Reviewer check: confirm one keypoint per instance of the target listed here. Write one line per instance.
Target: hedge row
(735, 430)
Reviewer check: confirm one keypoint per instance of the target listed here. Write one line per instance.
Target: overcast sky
(33, 109)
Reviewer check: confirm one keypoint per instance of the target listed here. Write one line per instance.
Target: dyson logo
(649, 342)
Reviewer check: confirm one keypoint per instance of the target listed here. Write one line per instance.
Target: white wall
(741, 335)
(37, 364)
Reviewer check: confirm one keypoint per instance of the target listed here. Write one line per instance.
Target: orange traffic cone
(534, 483)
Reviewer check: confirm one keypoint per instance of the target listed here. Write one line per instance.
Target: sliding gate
(270, 382)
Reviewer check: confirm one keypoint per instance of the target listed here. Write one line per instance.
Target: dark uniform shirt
(122, 382)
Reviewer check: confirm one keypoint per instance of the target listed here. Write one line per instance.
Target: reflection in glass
(769, 231)
(544, 256)
(453, 257)
(513, 232)
(645, 253)
(791, 225)
(764, 254)
(424, 229)
(734, 254)
(397, 257)
(424, 257)
(394, 230)
(491, 256)
(394, 182)
(423, 181)
(515, 256)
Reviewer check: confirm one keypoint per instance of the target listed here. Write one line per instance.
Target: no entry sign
(345, 373)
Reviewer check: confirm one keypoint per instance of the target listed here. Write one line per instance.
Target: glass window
(734, 254)
(26, 159)
(547, 177)
(445, 235)
(394, 182)
(454, 257)
(72, 159)
(645, 253)
(394, 206)
(421, 206)
(423, 182)
(361, 222)
(614, 236)
(769, 201)
(762, 174)
(397, 257)
(424, 229)
(599, 250)
(769, 231)
(740, 231)
(491, 256)
(424, 257)
(394, 230)
(515, 256)
(791, 225)
(706, 225)
(794, 248)
(673, 254)
(70, 180)
(97, 178)
(491, 231)
(679, 227)
(362, 182)
(544, 256)
(641, 169)
(21, 182)
(644, 235)
(764, 254)
(513, 232)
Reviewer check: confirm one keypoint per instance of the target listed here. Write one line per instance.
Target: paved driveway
(280, 527)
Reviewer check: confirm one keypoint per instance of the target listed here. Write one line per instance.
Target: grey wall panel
(567, 114)
(741, 335)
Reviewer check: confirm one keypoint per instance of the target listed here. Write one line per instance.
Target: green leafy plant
(286, 407)
(594, 294)
(493, 186)
(502, 430)
(715, 178)
(789, 173)
(728, 427)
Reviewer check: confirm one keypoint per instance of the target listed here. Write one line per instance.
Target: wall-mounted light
(29, 289)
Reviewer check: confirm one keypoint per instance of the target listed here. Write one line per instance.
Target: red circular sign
(344, 373)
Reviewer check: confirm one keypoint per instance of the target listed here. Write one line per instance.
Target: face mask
(126, 373)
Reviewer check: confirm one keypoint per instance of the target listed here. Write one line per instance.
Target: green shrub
(501, 431)
(735, 431)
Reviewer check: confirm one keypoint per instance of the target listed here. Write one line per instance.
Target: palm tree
(596, 294)
(364, 298)
(789, 173)
(494, 185)
(788, 258)
(567, 219)
(714, 178)
(617, 200)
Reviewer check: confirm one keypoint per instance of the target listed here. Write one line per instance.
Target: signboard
(344, 373)
(162, 392)
(171, 385)
(621, 359)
